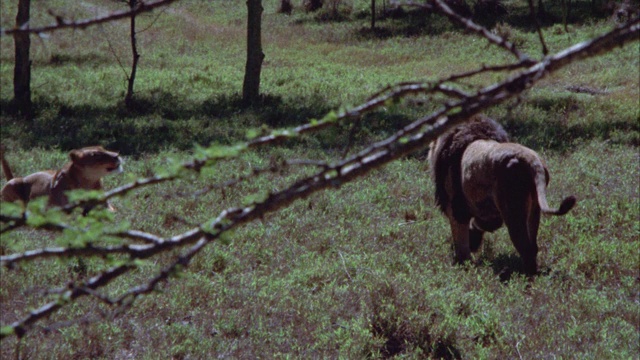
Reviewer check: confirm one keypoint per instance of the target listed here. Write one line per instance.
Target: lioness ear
(75, 155)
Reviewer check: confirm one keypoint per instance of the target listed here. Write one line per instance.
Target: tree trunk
(566, 13)
(128, 100)
(541, 11)
(22, 67)
(255, 56)
(373, 14)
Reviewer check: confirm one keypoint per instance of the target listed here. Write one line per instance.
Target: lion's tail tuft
(541, 179)
(567, 204)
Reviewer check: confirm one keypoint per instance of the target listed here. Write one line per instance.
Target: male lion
(482, 181)
(87, 166)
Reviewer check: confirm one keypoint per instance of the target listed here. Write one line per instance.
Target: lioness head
(96, 162)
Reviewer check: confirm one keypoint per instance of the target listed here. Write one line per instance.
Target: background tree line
(482, 11)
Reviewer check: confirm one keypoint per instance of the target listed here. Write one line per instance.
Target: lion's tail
(541, 189)
(5, 165)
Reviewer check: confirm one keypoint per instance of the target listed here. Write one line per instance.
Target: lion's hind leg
(524, 242)
(520, 212)
(15, 190)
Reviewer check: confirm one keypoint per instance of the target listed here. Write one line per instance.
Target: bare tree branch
(444, 9)
(534, 18)
(83, 24)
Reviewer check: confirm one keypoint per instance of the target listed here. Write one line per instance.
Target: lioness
(87, 166)
(482, 181)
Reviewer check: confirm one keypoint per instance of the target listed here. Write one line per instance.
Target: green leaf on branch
(7, 331)
(254, 133)
(332, 116)
(253, 199)
(217, 152)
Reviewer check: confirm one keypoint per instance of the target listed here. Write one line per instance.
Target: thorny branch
(409, 139)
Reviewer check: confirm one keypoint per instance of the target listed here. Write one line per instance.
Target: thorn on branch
(59, 19)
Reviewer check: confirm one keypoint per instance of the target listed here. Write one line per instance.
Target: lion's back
(446, 158)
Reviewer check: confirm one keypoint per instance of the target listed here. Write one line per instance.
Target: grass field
(360, 271)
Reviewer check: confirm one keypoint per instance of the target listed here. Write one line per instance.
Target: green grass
(360, 271)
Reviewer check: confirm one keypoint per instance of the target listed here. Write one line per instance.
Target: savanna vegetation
(363, 270)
